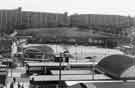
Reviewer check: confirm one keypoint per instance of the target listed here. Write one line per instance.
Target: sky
(118, 7)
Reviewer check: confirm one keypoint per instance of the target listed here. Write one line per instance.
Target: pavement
(17, 73)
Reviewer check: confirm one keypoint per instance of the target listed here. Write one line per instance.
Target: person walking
(66, 56)
(12, 85)
(14, 80)
(22, 86)
(19, 86)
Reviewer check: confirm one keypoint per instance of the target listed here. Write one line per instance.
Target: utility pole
(93, 67)
(56, 44)
(60, 63)
(76, 52)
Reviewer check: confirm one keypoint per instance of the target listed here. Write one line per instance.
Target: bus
(57, 81)
(35, 83)
(43, 67)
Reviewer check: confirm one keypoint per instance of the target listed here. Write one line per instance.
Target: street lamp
(92, 59)
(56, 43)
(60, 64)
(76, 51)
(93, 67)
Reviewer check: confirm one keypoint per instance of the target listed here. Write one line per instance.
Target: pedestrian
(67, 59)
(19, 86)
(14, 80)
(66, 56)
(22, 86)
(12, 85)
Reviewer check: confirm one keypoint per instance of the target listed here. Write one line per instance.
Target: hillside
(64, 35)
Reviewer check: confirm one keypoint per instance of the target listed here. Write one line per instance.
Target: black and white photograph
(67, 44)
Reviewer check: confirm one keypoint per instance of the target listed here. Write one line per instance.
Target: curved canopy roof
(117, 66)
(40, 49)
(103, 85)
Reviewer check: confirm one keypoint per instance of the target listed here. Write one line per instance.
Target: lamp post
(56, 41)
(12, 54)
(93, 60)
(60, 64)
(76, 51)
(93, 67)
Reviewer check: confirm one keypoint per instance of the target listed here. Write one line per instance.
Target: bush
(20, 26)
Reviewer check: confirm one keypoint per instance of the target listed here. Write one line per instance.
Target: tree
(130, 32)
